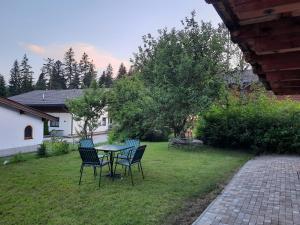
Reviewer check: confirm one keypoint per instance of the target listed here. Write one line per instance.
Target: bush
(42, 150)
(156, 135)
(60, 148)
(17, 158)
(262, 124)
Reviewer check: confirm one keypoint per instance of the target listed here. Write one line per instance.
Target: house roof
(268, 32)
(47, 97)
(25, 109)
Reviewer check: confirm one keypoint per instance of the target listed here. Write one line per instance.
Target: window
(104, 121)
(28, 133)
(110, 120)
(54, 123)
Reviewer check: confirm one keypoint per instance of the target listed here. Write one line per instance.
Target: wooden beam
(281, 61)
(249, 9)
(283, 75)
(267, 29)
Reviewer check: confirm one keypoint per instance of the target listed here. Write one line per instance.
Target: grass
(46, 190)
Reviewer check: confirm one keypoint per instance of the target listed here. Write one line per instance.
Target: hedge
(263, 124)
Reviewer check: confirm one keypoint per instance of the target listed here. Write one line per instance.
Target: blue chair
(88, 143)
(135, 160)
(90, 158)
(132, 145)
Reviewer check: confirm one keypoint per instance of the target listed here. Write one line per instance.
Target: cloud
(100, 58)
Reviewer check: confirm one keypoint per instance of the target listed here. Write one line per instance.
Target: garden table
(111, 149)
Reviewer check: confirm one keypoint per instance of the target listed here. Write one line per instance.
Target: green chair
(136, 159)
(132, 145)
(88, 143)
(89, 157)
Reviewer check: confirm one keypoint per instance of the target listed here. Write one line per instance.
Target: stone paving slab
(266, 191)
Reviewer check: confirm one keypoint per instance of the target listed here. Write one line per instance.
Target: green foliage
(17, 158)
(262, 124)
(88, 108)
(15, 85)
(26, 75)
(60, 148)
(131, 107)
(42, 150)
(106, 79)
(46, 127)
(182, 70)
(41, 83)
(3, 91)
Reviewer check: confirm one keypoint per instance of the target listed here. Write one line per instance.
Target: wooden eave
(26, 110)
(268, 32)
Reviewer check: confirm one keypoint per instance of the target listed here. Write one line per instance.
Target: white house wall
(12, 125)
(66, 124)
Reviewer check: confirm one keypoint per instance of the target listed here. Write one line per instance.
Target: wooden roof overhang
(25, 109)
(268, 32)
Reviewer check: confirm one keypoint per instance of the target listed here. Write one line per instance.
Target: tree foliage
(3, 91)
(106, 79)
(183, 70)
(26, 75)
(122, 71)
(15, 85)
(88, 109)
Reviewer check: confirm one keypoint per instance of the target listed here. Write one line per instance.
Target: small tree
(88, 109)
(3, 91)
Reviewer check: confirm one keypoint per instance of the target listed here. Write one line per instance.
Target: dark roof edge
(24, 108)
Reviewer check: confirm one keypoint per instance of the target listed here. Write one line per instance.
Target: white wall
(65, 123)
(13, 124)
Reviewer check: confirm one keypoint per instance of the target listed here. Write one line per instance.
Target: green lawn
(46, 191)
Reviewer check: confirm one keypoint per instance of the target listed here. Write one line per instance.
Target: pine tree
(26, 75)
(122, 71)
(3, 91)
(47, 70)
(69, 67)
(102, 80)
(41, 83)
(57, 79)
(87, 70)
(109, 76)
(75, 82)
(15, 80)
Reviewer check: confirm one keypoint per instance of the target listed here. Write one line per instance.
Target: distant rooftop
(47, 97)
(245, 77)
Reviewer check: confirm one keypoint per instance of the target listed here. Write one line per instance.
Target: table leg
(111, 158)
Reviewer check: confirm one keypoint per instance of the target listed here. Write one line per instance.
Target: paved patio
(265, 191)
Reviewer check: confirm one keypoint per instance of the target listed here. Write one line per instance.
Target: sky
(109, 31)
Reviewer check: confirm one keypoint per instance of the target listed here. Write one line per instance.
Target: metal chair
(88, 143)
(90, 158)
(133, 144)
(135, 160)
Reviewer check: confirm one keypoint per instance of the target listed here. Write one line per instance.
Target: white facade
(13, 124)
(68, 126)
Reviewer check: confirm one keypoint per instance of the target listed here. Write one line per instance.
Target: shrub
(17, 158)
(59, 148)
(42, 150)
(156, 135)
(262, 124)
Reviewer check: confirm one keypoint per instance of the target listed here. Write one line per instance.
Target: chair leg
(139, 168)
(114, 172)
(125, 171)
(100, 175)
(140, 165)
(95, 172)
(130, 171)
(81, 170)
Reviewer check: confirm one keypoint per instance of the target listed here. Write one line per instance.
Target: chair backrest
(86, 143)
(132, 142)
(138, 154)
(89, 156)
